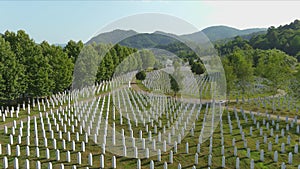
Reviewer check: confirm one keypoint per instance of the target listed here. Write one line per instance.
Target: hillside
(112, 37)
(285, 38)
(143, 40)
(146, 40)
(215, 33)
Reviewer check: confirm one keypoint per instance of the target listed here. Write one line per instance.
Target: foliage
(229, 74)
(10, 89)
(148, 59)
(72, 49)
(295, 84)
(197, 67)
(141, 75)
(61, 66)
(180, 49)
(285, 38)
(215, 33)
(231, 46)
(116, 60)
(276, 66)
(242, 67)
(174, 85)
(29, 69)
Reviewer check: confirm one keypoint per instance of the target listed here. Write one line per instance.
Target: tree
(276, 67)
(85, 71)
(294, 87)
(197, 68)
(177, 74)
(38, 73)
(73, 49)
(141, 75)
(285, 38)
(298, 56)
(109, 65)
(242, 68)
(174, 85)
(148, 59)
(229, 74)
(23, 47)
(10, 73)
(62, 67)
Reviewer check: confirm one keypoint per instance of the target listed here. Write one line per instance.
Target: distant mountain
(215, 33)
(148, 40)
(113, 36)
(133, 39)
(245, 37)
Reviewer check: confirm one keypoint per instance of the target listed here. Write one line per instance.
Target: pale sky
(60, 21)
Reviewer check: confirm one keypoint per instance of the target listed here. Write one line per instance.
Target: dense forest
(285, 38)
(30, 70)
(271, 58)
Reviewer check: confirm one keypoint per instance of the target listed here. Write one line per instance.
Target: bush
(141, 75)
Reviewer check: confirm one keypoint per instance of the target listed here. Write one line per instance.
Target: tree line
(285, 38)
(271, 57)
(29, 69)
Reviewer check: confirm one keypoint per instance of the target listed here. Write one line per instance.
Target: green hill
(215, 33)
(285, 38)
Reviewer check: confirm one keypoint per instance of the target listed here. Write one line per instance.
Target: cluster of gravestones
(131, 106)
(266, 132)
(159, 81)
(45, 104)
(285, 102)
(140, 125)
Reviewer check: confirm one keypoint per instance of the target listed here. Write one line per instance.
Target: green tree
(62, 67)
(10, 73)
(197, 68)
(38, 72)
(23, 47)
(141, 75)
(73, 49)
(242, 68)
(229, 74)
(109, 65)
(177, 77)
(174, 85)
(148, 59)
(85, 70)
(276, 67)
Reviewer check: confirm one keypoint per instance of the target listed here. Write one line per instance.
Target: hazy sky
(58, 22)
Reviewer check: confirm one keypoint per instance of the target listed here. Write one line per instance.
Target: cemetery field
(167, 132)
(282, 106)
(143, 98)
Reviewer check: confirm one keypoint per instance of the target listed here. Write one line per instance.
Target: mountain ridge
(213, 33)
